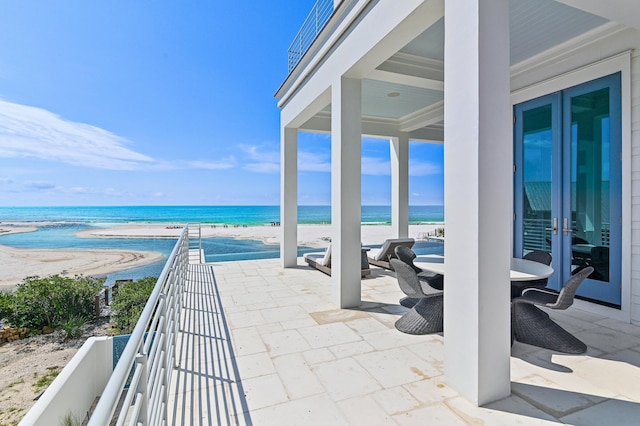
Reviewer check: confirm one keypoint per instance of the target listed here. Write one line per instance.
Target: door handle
(555, 226)
(566, 228)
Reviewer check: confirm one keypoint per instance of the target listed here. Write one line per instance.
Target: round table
(521, 269)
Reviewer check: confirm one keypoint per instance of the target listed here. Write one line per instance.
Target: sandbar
(20, 263)
(309, 235)
(11, 228)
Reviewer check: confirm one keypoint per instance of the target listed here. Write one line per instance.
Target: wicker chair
(426, 316)
(518, 286)
(430, 282)
(533, 326)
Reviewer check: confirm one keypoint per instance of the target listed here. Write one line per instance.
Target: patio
(264, 345)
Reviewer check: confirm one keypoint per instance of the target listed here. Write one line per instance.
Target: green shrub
(39, 302)
(128, 303)
(73, 327)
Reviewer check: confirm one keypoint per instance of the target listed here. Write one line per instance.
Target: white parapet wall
(74, 390)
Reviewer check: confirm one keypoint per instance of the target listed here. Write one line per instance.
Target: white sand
(20, 263)
(308, 235)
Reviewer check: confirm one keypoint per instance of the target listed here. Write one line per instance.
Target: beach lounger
(322, 262)
(380, 256)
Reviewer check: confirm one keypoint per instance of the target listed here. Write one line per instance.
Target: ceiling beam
(422, 118)
(406, 80)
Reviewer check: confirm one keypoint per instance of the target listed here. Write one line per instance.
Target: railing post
(141, 388)
(162, 325)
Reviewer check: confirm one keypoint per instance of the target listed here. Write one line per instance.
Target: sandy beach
(20, 263)
(308, 235)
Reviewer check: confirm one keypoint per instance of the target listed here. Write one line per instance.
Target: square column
(346, 183)
(478, 168)
(289, 197)
(400, 186)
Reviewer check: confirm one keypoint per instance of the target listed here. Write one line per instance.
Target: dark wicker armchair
(533, 326)
(430, 281)
(426, 316)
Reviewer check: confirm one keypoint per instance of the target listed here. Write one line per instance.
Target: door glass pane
(590, 147)
(537, 171)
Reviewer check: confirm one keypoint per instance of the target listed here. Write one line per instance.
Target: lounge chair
(533, 326)
(380, 257)
(322, 262)
(426, 316)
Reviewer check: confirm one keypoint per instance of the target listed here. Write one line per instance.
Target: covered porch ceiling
(405, 93)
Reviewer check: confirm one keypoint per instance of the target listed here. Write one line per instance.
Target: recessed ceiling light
(393, 94)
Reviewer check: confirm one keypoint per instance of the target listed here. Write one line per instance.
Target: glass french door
(568, 184)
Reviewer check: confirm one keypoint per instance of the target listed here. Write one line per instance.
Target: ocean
(67, 221)
(241, 215)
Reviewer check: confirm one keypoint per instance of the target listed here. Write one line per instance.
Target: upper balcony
(315, 22)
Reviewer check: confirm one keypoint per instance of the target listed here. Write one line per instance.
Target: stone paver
(278, 352)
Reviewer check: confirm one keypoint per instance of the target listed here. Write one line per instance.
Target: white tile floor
(264, 345)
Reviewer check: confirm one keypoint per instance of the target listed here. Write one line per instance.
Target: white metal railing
(315, 22)
(137, 391)
(195, 243)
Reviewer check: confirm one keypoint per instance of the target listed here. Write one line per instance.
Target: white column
(400, 186)
(346, 165)
(478, 198)
(289, 197)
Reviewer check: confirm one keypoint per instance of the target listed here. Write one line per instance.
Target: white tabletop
(521, 269)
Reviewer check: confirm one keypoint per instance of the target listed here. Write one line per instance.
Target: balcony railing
(140, 381)
(312, 26)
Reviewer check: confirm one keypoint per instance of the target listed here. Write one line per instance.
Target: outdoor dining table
(521, 269)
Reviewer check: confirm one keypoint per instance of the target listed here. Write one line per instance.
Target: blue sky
(163, 103)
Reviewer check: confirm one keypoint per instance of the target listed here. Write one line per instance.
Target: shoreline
(309, 235)
(19, 263)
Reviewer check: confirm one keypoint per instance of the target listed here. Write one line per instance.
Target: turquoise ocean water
(244, 215)
(70, 220)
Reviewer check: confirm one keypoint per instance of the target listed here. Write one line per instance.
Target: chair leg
(426, 317)
(534, 327)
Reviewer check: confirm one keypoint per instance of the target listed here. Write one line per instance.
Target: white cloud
(225, 163)
(40, 185)
(259, 160)
(375, 166)
(314, 162)
(31, 132)
(263, 167)
(424, 168)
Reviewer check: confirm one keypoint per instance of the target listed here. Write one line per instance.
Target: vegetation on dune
(52, 302)
(128, 303)
(44, 381)
(67, 304)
